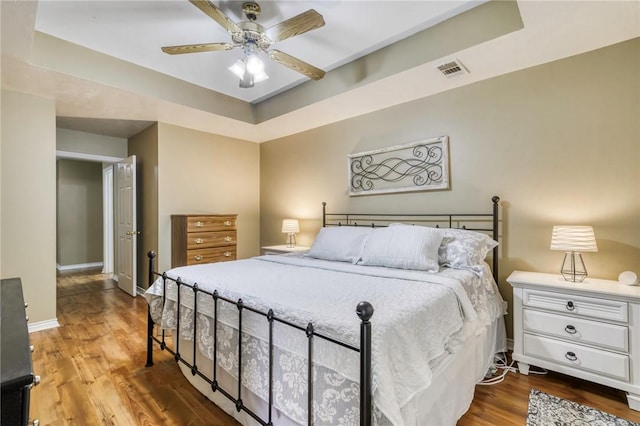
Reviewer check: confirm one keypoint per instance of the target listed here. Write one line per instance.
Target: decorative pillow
(339, 243)
(463, 249)
(403, 247)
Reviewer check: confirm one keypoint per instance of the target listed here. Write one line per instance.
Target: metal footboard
(364, 311)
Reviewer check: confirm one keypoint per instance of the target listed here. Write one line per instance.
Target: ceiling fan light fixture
(247, 79)
(255, 41)
(255, 65)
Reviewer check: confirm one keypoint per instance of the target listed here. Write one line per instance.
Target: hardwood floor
(93, 373)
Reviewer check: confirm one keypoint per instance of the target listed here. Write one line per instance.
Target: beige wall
(560, 143)
(90, 143)
(79, 207)
(144, 146)
(28, 224)
(203, 173)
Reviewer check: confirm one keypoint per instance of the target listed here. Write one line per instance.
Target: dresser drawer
(598, 361)
(577, 329)
(611, 310)
(210, 223)
(208, 255)
(197, 240)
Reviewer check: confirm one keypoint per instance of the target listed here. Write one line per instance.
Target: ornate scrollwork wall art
(417, 166)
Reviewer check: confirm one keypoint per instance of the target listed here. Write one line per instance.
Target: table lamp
(573, 240)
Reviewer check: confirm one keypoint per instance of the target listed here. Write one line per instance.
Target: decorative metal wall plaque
(417, 166)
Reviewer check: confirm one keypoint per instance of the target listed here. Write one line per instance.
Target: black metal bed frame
(364, 310)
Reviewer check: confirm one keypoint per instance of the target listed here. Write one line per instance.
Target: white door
(126, 220)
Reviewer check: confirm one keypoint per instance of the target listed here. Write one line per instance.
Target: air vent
(452, 69)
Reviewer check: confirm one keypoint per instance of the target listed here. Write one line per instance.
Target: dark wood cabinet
(16, 367)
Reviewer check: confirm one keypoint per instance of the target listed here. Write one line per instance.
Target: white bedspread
(416, 313)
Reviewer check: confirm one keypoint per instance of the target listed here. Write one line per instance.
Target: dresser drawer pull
(227, 223)
(197, 258)
(571, 356)
(570, 306)
(227, 239)
(199, 224)
(227, 254)
(570, 329)
(36, 382)
(199, 240)
(32, 348)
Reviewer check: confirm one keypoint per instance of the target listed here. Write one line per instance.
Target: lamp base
(573, 268)
(291, 240)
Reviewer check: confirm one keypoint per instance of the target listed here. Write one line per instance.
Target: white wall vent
(453, 68)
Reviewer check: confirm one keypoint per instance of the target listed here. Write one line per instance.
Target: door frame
(108, 250)
(69, 155)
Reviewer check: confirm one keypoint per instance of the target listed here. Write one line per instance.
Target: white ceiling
(135, 30)
(550, 30)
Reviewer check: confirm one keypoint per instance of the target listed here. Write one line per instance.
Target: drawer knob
(227, 254)
(571, 356)
(199, 224)
(26, 305)
(31, 348)
(227, 223)
(197, 258)
(570, 329)
(570, 305)
(227, 239)
(199, 241)
(36, 380)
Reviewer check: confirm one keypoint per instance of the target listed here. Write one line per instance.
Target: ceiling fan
(255, 40)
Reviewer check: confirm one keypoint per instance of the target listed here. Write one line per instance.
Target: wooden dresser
(16, 366)
(202, 239)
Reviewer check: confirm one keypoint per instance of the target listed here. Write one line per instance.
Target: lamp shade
(573, 238)
(290, 226)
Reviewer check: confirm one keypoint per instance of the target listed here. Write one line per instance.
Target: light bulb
(254, 65)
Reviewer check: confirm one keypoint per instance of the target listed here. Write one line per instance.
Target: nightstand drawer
(612, 310)
(577, 356)
(577, 329)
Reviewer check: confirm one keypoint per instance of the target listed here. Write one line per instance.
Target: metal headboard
(481, 222)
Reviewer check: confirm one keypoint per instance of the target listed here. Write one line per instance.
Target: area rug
(549, 410)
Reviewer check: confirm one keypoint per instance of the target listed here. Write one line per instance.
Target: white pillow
(403, 247)
(464, 249)
(339, 243)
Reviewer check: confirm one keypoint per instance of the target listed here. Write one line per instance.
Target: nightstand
(283, 249)
(589, 330)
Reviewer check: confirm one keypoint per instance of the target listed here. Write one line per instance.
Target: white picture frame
(417, 166)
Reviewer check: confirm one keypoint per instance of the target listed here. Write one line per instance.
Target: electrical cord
(500, 363)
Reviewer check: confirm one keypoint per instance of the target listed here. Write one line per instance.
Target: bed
(275, 339)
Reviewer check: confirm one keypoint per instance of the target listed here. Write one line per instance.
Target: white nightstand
(589, 330)
(283, 249)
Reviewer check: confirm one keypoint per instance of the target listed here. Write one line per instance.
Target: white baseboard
(78, 266)
(510, 344)
(43, 325)
(140, 290)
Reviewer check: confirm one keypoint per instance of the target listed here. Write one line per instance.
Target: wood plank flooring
(93, 373)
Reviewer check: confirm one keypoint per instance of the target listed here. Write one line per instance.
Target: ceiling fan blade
(306, 21)
(296, 64)
(217, 15)
(193, 48)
